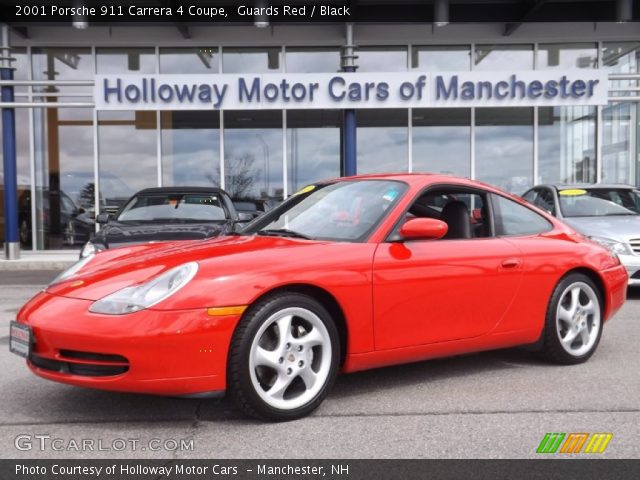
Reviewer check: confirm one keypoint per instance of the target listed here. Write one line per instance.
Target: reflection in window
(448, 58)
(190, 148)
(382, 140)
(566, 144)
(65, 194)
(189, 60)
(251, 60)
(566, 55)
(382, 59)
(126, 60)
(313, 143)
(310, 60)
(253, 154)
(504, 147)
(442, 140)
(126, 154)
(62, 63)
(503, 57)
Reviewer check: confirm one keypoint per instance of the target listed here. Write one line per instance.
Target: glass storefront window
(190, 148)
(381, 59)
(253, 154)
(63, 141)
(442, 140)
(504, 147)
(503, 57)
(126, 154)
(313, 144)
(126, 60)
(189, 60)
(311, 60)
(449, 58)
(382, 140)
(566, 56)
(62, 63)
(251, 60)
(566, 144)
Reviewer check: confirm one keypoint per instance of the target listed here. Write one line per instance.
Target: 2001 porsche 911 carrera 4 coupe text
(345, 275)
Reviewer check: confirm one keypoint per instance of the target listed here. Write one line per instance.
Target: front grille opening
(81, 369)
(96, 357)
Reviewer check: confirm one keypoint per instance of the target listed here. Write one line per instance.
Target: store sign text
(350, 90)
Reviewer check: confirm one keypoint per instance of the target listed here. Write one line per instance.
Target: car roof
(211, 190)
(416, 178)
(587, 186)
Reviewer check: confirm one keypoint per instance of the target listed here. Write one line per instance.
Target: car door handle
(511, 263)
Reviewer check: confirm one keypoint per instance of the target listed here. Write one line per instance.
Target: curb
(22, 265)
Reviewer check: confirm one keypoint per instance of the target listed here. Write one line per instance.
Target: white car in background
(607, 213)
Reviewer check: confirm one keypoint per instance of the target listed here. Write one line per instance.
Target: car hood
(619, 227)
(115, 234)
(113, 270)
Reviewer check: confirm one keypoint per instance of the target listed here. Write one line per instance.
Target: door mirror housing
(423, 229)
(103, 218)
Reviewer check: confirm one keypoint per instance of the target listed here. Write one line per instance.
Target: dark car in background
(166, 214)
(606, 213)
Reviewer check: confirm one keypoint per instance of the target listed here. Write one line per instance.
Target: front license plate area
(20, 339)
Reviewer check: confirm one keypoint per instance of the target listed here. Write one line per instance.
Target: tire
(283, 358)
(573, 325)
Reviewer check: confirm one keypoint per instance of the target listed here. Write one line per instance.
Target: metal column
(11, 238)
(349, 155)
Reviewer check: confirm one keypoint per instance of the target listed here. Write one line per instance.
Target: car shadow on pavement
(633, 293)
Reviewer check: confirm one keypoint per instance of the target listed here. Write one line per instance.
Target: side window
(464, 212)
(512, 218)
(530, 196)
(545, 201)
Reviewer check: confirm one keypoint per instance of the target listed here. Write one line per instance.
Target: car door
(427, 291)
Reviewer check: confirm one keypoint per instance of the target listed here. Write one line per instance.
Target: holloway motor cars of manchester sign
(350, 90)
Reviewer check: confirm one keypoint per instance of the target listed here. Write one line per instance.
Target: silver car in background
(607, 213)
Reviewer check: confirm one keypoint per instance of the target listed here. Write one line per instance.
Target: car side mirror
(103, 218)
(423, 229)
(244, 217)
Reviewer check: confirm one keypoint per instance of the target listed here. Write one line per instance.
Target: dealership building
(262, 109)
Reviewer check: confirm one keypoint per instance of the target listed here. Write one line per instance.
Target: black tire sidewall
(241, 387)
(552, 348)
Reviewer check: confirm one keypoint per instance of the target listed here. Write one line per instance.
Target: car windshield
(173, 208)
(342, 211)
(599, 202)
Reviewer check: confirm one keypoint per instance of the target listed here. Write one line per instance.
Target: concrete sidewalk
(40, 261)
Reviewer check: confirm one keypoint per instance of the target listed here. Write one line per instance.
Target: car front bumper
(177, 352)
(632, 264)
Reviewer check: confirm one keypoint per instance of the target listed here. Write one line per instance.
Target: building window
(190, 148)
(503, 57)
(311, 60)
(382, 140)
(382, 59)
(253, 154)
(189, 60)
(450, 58)
(566, 56)
(127, 155)
(251, 60)
(126, 60)
(442, 140)
(313, 146)
(504, 147)
(62, 64)
(566, 144)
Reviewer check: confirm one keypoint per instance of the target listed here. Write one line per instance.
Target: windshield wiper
(284, 232)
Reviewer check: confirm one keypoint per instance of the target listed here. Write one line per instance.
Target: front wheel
(574, 321)
(284, 358)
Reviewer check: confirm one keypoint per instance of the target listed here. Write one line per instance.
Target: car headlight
(90, 248)
(72, 270)
(619, 248)
(139, 297)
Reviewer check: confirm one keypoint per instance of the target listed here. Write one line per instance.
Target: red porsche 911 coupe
(345, 275)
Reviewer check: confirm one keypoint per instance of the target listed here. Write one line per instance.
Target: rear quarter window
(511, 218)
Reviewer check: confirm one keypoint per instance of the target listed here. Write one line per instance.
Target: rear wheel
(284, 358)
(574, 321)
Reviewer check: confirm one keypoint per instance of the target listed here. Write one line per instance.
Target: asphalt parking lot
(490, 405)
